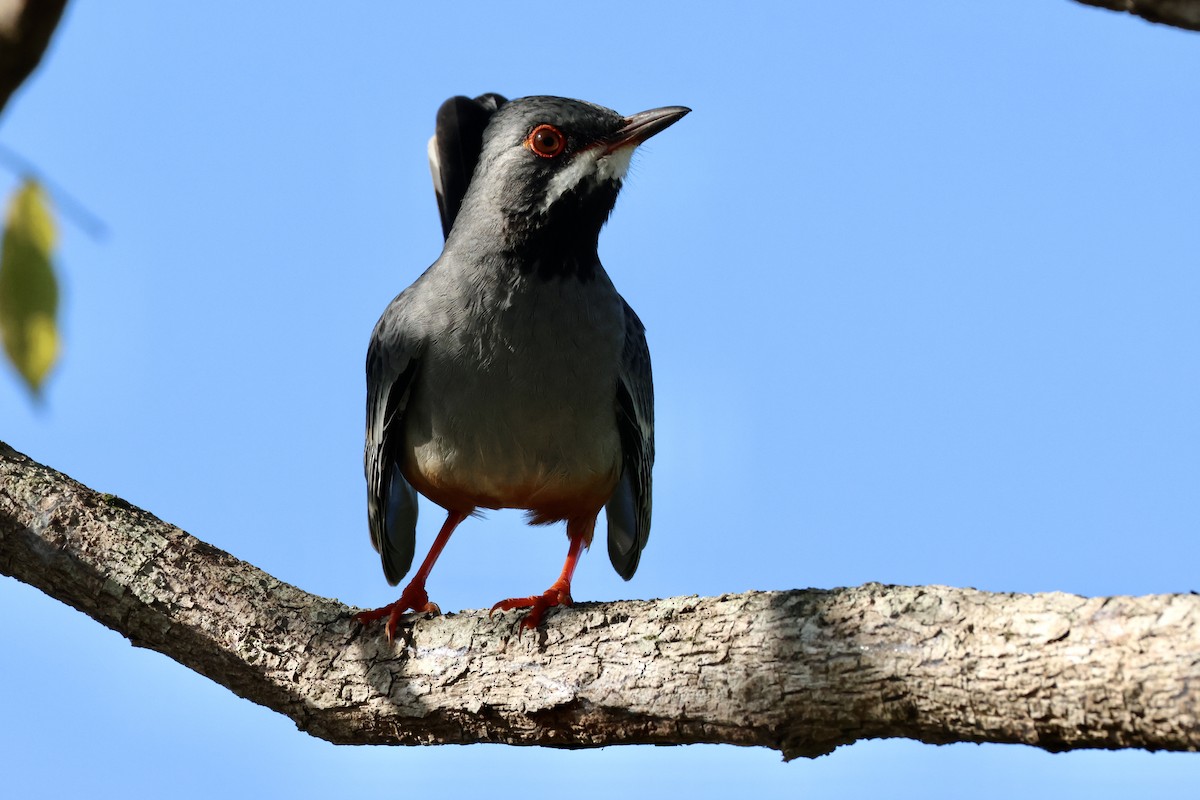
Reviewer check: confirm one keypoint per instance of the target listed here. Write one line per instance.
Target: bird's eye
(547, 141)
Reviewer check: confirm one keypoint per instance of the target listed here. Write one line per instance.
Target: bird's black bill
(640, 127)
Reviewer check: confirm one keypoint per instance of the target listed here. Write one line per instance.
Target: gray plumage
(511, 374)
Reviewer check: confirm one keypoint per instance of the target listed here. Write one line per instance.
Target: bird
(511, 373)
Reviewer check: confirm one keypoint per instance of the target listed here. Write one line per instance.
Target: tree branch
(25, 30)
(800, 671)
(1179, 13)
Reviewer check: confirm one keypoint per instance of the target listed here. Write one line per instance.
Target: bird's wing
(628, 510)
(454, 150)
(391, 500)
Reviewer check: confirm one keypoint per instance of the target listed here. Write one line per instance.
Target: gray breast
(514, 402)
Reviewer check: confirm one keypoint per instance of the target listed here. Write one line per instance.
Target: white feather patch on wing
(592, 165)
(435, 166)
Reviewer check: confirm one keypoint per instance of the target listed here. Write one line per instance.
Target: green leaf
(28, 289)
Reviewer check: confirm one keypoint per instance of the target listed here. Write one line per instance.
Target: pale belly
(489, 450)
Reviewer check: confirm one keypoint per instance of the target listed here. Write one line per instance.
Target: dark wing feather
(391, 500)
(454, 150)
(628, 510)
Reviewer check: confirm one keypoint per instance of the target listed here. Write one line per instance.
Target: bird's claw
(411, 599)
(538, 605)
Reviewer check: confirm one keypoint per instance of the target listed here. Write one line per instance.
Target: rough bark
(799, 671)
(25, 30)
(1179, 13)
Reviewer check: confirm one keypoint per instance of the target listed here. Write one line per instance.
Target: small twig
(72, 209)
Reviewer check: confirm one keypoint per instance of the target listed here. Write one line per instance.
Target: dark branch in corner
(25, 30)
(1177, 13)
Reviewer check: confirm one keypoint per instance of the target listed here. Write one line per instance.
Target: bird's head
(550, 170)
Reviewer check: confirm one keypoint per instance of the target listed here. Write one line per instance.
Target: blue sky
(920, 283)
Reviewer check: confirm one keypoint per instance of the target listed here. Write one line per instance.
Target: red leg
(414, 597)
(559, 593)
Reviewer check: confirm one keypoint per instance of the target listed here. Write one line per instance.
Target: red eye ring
(546, 141)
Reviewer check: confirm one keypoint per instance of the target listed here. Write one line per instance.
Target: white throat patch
(592, 165)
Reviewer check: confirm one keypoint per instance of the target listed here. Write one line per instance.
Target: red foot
(413, 598)
(557, 595)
